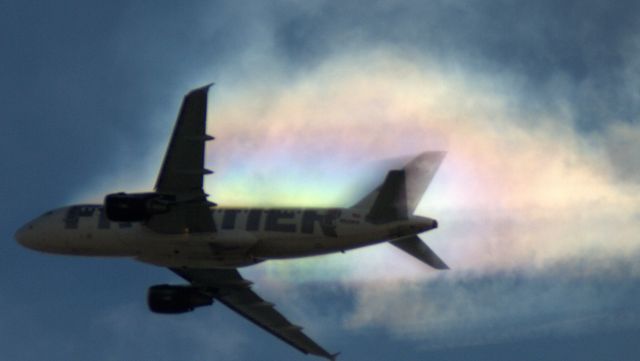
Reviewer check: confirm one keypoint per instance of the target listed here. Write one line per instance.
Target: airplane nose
(22, 235)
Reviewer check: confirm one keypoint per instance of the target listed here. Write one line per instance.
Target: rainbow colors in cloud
(518, 189)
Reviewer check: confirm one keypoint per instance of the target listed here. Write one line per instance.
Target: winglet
(334, 356)
(204, 87)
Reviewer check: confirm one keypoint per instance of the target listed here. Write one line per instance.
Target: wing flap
(228, 287)
(420, 171)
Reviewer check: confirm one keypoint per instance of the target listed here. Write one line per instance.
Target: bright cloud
(519, 191)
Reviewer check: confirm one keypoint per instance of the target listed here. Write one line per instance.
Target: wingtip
(204, 88)
(439, 153)
(334, 356)
(440, 265)
(430, 155)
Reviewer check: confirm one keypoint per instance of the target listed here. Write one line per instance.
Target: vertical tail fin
(398, 196)
(420, 172)
(391, 201)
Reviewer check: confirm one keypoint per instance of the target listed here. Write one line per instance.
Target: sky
(536, 104)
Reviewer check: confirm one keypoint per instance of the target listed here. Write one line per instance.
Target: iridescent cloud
(521, 193)
(532, 212)
(517, 189)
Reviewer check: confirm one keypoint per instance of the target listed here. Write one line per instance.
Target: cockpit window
(47, 214)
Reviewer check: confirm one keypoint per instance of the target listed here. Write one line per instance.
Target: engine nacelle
(135, 207)
(176, 299)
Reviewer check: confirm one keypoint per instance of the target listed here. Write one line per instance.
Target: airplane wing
(228, 287)
(182, 171)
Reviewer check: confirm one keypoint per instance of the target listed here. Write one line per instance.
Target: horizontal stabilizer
(414, 246)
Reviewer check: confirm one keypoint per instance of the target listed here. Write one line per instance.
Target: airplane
(177, 227)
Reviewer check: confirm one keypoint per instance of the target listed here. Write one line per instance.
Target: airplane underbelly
(301, 246)
(92, 242)
(198, 250)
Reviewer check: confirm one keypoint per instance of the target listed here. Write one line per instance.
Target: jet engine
(135, 207)
(176, 299)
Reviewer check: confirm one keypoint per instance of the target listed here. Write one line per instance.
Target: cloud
(622, 148)
(199, 335)
(534, 218)
(540, 176)
(490, 308)
(513, 182)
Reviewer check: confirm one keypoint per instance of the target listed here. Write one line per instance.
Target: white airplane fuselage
(243, 236)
